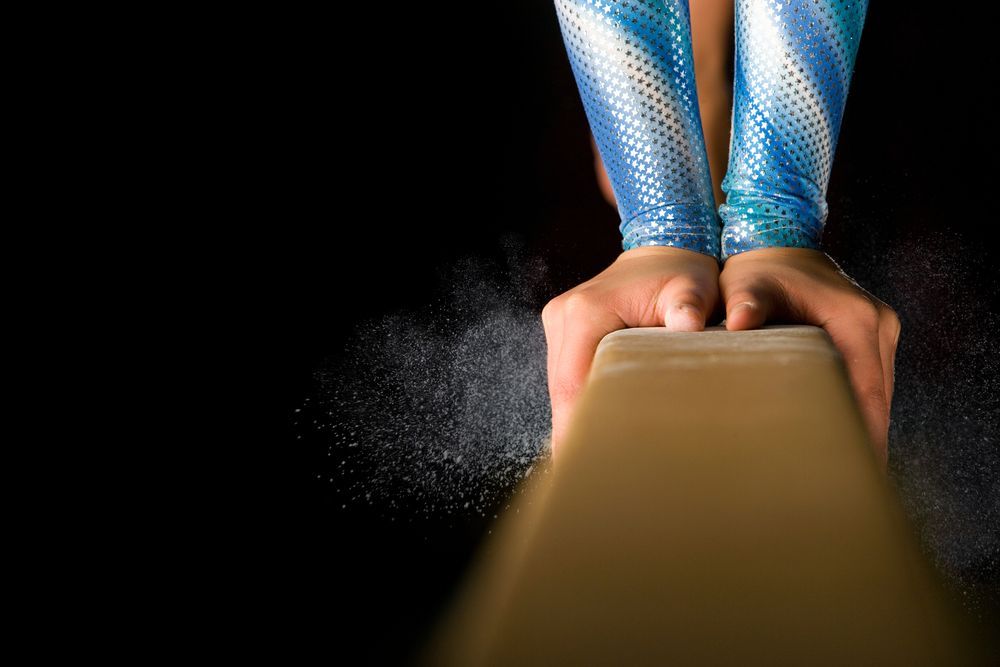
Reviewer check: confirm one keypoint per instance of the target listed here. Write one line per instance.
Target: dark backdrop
(447, 129)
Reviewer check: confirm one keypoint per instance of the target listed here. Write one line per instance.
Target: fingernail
(740, 306)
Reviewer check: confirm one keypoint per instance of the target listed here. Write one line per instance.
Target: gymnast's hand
(805, 286)
(645, 287)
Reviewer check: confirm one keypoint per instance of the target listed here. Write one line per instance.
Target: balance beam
(716, 502)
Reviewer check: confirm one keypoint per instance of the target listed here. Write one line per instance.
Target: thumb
(744, 312)
(685, 305)
(751, 305)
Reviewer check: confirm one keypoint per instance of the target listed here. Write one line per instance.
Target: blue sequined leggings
(633, 65)
(632, 62)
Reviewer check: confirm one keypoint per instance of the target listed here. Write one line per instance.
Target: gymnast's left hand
(805, 286)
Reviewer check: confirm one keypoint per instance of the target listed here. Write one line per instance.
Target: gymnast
(755, 259)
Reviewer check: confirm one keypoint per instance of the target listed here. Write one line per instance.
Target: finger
(856, 337)
(552, 323)
(888, 331)
(584, 325)
(685, 303)
(747, 311)
(752, 302)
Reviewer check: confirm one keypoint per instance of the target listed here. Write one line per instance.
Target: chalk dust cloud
(442, 411)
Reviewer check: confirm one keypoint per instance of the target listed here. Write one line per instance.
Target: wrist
(789, 212)
(670, 253)
(685, 226)
(761, 223)
(776, 255)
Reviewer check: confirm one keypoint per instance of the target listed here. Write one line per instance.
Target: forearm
(794, 61)
(633, 66)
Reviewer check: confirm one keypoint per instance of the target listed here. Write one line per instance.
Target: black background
(408, 137)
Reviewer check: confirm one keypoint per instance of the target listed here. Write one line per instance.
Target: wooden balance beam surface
(716, 502)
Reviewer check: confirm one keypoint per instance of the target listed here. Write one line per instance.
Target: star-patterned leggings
(633, 65)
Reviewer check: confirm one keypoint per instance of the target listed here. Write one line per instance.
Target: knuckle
(691, 297)
(871, 397)
(874, 394)
(578, 303)
(874, 397)
(551, 310)
(742, 296)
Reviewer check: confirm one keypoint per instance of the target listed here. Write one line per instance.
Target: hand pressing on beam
(645, 287)
(805, 286)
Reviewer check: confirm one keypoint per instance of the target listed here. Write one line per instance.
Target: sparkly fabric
(794, 60)
(633, 65)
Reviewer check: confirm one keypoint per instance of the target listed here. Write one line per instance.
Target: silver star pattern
(633, 65)
(794, 61)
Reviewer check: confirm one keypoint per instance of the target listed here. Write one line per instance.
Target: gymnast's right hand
(647, 286)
